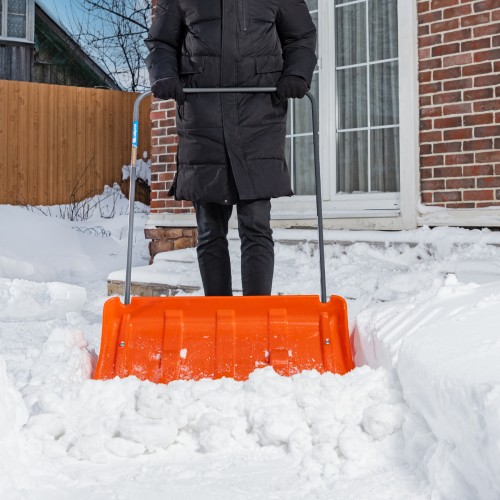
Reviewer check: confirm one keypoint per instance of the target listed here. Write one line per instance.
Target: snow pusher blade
(169, 338)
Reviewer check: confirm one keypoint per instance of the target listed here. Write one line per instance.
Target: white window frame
(30, 23)
(365, 210)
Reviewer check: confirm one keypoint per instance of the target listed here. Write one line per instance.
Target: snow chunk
(22, 300)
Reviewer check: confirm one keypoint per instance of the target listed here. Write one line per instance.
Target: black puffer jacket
(231, 145)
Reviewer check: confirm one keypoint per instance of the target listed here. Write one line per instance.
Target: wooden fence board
(55, 139)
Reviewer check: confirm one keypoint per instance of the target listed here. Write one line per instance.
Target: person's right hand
(169, 88)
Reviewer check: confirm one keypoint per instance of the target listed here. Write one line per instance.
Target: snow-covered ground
(419, 418)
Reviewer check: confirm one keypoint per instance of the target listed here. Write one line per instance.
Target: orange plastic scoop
(169, 338)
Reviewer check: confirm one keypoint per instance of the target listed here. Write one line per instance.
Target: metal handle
(135, 144)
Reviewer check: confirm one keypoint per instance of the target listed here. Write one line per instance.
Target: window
(366, 86)
(16, 19)
(367, 95)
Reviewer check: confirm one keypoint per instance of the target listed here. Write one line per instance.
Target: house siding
(459, 87)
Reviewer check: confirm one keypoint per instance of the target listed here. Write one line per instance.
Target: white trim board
(458, 217)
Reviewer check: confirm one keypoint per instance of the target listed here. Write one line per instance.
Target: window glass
(16, 18)
(299, 144)
(367, 95)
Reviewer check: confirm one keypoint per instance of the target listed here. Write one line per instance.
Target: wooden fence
(60, 144)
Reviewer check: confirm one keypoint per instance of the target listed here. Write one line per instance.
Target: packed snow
(419, 417)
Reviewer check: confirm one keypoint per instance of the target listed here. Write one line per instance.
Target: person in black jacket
(232, 146)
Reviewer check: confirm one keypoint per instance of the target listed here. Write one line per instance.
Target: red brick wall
(459, 74)
(163, 165)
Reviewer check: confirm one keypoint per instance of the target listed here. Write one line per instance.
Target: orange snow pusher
(168, 338)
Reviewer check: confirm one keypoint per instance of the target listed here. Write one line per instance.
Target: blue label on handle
(135, 134)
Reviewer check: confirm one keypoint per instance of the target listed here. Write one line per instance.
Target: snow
(419, 418)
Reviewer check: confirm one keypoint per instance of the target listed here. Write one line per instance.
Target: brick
(424, 29)
(459, 159)
(157, 115)
(442, 196)
(432, 184)
(425, 125)
(156, 247)
(158, 186)
(447, 147)
(497, 143)
(448, 122)
(448, 25)
(459, 11)
(429, 41)
(487, 55)
(477, 69)
(429, 64)
(461, 205)
(448, 172)
(429, 17)
(476, 44)
(457, 60)
(476, 170)
(475, 19)
(443, 50)
(458, 35)
(441, 4)
(431, 112)
(490, 131)
(474, 95)
(425, 100)
(488, 204)
(446, 97)
(461, 83)
(488, 157)
(425, 76)
(482, 106)
(423, 7)
(478, 195)
(478, 145)
(488, 182)
(426, 198)
(457, 109)
(478, 119)
(460, 183)
(495, 41)
(430, 88)
(433, 136)
(485, 5)
(432, 161)
(490, 29)
(446, 74)
(487, 80)
(457, 134)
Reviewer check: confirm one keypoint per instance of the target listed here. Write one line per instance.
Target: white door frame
(375, 210)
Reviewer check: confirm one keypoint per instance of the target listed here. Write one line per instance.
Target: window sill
(15, 41)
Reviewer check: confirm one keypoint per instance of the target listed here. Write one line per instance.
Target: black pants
(257, 247)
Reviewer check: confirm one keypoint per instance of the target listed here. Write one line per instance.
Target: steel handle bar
(317, 172)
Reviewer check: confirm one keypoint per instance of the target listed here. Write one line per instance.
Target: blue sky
(63, 9)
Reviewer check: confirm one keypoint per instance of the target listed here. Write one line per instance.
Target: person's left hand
(291, 87)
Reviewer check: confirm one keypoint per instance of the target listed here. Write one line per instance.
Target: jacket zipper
(244, 15)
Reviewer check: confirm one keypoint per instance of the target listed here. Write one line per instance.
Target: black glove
(169, 88)
(291, 87)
